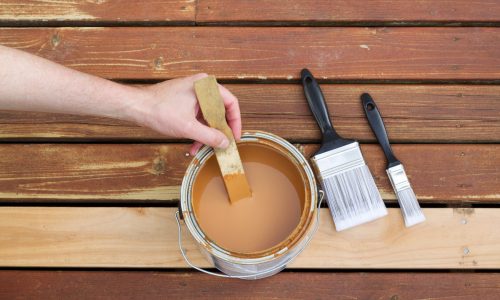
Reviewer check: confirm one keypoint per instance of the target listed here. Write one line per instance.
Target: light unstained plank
(40, 11)
(342, 11)
(153, 172)
(260, 53)
(147, 237)
(45, 284)
(412, 113)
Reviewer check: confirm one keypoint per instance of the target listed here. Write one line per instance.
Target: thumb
(209, 136)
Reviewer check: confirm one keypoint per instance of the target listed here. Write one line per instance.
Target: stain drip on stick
(214, 112)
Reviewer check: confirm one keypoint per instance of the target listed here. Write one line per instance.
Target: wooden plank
(92, 172)
(122, 11)
(347, 11)
(413, 113)
(260, 53)
(153, 172)
(147, 237)
(286, 285)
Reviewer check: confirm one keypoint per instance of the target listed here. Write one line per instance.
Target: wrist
(136, 107)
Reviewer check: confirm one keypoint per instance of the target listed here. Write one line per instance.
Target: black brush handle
(377, 125)
(318, 107)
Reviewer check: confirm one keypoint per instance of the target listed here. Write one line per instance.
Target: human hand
(171, 108)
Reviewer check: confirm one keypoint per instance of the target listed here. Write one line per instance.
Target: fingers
(233, 115)
(206, 135)
(198, 76)
(194, 148)
(197, 145)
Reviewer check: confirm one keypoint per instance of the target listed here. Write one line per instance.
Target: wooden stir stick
(212, 107)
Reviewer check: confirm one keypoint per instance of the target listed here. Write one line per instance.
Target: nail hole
(370, 106)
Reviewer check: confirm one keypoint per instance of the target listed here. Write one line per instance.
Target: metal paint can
(251, 266)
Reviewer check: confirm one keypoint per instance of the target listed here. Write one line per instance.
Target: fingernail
(224, 144)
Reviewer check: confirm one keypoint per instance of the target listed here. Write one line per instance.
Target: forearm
(31, 83)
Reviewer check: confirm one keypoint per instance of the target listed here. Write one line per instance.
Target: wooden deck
(87, 204)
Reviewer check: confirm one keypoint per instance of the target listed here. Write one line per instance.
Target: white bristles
(353, 197)
(412, 213)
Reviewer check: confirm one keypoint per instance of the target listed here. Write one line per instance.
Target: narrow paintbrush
(353, 197)
(412, 213)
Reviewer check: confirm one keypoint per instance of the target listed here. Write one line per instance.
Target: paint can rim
(294, 240)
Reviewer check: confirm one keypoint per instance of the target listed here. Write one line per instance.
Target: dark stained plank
(18, 284)
(413, 113)
(93, 172)
(342, 53)
(153, 172)
(41, 11)
(347, 11)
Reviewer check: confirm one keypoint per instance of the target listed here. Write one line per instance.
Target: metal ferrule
(338, 160)
(398, 178)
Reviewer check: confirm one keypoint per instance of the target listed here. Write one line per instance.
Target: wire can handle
(278, 267)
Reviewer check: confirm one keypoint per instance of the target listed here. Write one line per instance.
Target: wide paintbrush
(353, 197)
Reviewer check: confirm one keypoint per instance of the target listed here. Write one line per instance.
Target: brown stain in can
(253, 224)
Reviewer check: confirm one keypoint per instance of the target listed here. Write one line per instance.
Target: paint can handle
(186, 259)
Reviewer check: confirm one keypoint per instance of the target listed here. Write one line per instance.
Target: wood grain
(122, 11)
(308, 12)
(147, 237)
(272, 53)
(153, 172)
(92, 172)
(286, 285)
(412, 113)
